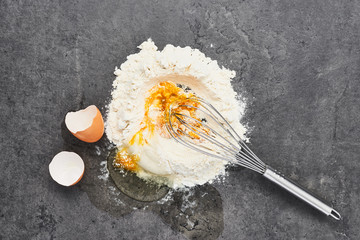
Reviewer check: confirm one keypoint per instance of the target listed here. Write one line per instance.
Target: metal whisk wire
(223, 142)
(231, 149)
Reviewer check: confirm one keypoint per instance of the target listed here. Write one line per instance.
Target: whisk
(196, 124)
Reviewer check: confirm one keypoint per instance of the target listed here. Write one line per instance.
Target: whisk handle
(300, 192)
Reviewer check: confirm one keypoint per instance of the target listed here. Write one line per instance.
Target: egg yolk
(159, 99)
(157, 105)
(126, 160)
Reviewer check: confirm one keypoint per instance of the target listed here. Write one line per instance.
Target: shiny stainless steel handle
(301, 193)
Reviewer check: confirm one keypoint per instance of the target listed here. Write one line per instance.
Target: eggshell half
(66, 168)
(87, 124)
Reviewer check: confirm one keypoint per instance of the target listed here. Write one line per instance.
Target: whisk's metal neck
(300, 192)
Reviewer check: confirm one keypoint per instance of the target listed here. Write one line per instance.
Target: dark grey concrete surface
(297, 63)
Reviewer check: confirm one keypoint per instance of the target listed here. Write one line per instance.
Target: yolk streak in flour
(126, 160)
(159, 99)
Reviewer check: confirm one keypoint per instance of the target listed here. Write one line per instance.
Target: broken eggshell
(86, 125)
(66, 168)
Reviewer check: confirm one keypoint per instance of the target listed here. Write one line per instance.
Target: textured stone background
(297, 63)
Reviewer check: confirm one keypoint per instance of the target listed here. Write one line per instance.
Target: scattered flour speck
(168, 197)
(104, 171)
(97, 150)
(187, 203)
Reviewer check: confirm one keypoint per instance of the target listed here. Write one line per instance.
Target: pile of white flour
(164, 157)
